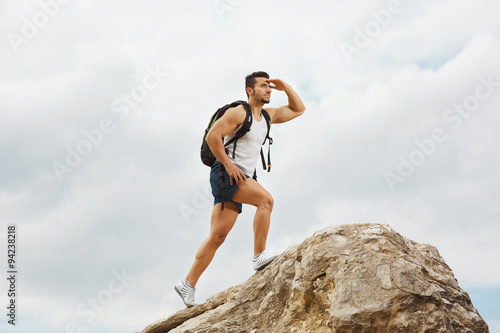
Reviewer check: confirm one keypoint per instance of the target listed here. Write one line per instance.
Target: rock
(348, 278)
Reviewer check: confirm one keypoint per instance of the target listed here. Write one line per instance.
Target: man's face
(262, 90)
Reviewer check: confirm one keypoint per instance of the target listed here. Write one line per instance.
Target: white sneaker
(186, 292)
(261, 260)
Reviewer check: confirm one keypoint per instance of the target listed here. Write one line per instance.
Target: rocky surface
(348, 278)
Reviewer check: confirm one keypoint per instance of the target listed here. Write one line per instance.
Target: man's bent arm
(295, 105)
(222, 127)
(294, 102)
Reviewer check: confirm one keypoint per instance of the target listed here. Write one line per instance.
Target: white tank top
(248, 147)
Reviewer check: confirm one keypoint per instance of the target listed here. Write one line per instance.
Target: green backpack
(208, 158)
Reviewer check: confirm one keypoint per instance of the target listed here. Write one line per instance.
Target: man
(230, 178)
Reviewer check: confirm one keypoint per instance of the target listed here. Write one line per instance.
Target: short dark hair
(250, 79)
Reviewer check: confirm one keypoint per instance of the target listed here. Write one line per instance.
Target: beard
(262, 99)
(265, 100)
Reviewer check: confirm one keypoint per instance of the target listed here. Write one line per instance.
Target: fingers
(240, 178)
(236, 174)
(277, 84)
(243, 178)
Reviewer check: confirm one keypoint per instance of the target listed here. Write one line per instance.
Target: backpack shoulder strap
(245, 127)
(268, 122)
(246, 124)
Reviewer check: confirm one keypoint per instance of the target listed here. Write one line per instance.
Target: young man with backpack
(233, 165)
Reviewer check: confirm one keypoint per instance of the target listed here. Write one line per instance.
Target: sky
(103, 108)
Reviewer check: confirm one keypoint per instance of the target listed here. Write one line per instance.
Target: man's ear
(250, 91)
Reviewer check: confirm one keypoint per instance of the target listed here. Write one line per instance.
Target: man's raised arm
(295, 105)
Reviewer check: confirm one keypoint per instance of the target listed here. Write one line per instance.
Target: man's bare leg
(252, 193)
(221, 223)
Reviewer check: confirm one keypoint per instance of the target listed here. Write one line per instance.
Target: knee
(267, 202)
(218, 239)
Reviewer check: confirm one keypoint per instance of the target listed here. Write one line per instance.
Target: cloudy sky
(102, 110)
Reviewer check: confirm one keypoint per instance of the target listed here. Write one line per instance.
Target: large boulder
(348, 278)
